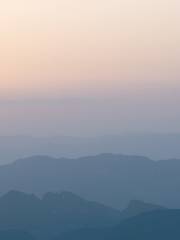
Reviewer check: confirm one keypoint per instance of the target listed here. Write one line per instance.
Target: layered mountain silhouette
(56, 213)
(53, 214)
(157, 225)
(113, 180)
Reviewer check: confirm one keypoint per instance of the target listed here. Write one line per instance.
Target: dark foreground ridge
(15, 235)
(156, 225)
(55, 213)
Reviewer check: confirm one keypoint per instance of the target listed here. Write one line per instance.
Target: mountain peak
(134, 204)
(137, 207)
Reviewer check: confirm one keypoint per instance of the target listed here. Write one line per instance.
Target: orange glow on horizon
(65, 47)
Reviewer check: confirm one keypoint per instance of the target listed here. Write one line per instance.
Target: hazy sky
(78, 67)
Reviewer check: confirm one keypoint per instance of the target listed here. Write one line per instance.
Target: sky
(89, 67)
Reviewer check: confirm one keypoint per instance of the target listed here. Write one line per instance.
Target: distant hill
(155, 146)
(53, 214)
(113, 180)
(137, 207)
(157, 225)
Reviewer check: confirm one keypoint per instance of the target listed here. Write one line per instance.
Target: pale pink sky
(98, 49)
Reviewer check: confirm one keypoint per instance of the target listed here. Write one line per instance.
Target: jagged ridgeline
(56, 213)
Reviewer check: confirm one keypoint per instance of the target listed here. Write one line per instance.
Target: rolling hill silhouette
(156, 146)
(53, 214)
(113, 180)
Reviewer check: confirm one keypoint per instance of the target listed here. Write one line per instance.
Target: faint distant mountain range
(55, 213)
(113, 180)
(156, 146)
